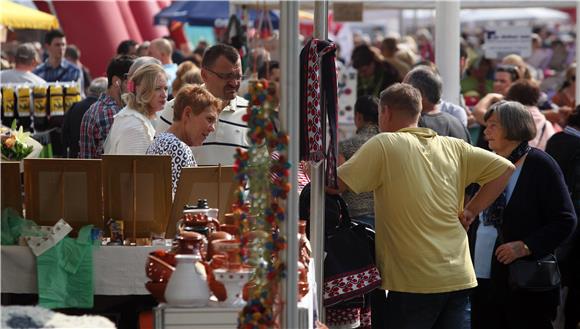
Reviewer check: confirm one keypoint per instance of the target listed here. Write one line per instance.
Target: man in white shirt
(26, 61)
(221, 71)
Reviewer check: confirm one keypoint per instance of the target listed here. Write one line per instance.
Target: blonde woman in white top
(132, 131)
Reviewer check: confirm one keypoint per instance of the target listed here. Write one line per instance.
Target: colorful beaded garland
(261, 213)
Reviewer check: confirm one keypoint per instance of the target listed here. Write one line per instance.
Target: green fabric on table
(46, 152)
(13, 226)
(65, 273)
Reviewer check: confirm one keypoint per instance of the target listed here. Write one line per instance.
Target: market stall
(16, 16)
(270, 257)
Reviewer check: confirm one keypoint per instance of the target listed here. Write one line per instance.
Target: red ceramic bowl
(157, 290)
(159, 268)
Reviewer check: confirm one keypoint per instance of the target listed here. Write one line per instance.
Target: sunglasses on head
(511, 69)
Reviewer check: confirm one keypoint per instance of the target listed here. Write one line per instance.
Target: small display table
(212, 317)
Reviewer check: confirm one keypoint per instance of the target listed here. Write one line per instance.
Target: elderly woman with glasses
(531, 218)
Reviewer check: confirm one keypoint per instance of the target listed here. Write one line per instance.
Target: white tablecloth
(118, 270)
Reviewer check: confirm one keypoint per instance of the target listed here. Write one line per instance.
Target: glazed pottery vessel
(188, 286)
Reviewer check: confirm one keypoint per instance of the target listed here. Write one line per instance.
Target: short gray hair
(26, 54)
(515, 119)
(428, 82)
(97, 87)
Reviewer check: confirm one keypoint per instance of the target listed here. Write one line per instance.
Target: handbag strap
(344, 214)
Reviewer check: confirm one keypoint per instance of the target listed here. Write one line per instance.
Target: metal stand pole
(289, 117)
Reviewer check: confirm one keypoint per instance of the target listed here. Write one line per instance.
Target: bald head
(162, 50)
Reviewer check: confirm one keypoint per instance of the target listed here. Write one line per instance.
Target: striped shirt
(95, 126)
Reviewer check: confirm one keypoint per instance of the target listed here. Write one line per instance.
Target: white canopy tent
(477, 17)
(529, 15)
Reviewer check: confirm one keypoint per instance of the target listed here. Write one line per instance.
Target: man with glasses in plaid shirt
(221, 70)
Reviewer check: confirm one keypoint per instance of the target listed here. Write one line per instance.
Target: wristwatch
(526, 249)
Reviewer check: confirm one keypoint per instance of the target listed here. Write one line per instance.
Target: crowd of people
(451, 209)
(518, 204)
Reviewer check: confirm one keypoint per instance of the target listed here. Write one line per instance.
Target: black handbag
(535, 274)
(349, 265)
(349, 261)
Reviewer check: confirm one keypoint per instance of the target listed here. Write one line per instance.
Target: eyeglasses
(227, 76)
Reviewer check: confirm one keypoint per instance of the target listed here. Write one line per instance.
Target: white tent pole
(401, 22)
(447, 30)
(317, 193)
(289, 117)
(577, 51)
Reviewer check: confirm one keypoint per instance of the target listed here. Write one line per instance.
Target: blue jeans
(422, 311)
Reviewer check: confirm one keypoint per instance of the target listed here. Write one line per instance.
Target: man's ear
(358, 118)
(116, 81)
(386, 114)
(204, 74)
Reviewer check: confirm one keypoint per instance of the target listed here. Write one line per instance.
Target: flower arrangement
(14, 143)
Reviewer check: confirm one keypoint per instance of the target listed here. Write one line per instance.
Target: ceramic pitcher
(187, 286)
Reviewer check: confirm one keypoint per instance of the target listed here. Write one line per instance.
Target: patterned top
(363, 203)
(181, 155)
(95, 126)
(66, 71)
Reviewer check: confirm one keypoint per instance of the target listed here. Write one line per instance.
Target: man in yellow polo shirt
(418, 179)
